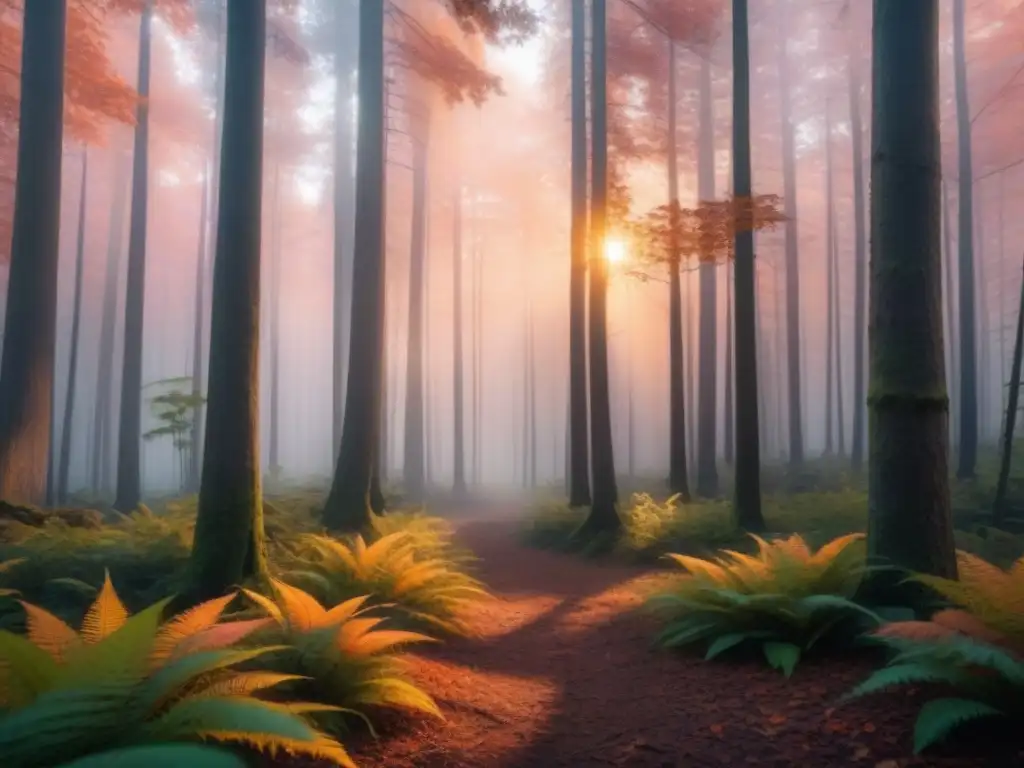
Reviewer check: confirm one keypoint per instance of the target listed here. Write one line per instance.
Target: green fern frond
(161, 756)
(939, 717)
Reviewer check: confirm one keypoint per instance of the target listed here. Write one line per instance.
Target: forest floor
(561, 674)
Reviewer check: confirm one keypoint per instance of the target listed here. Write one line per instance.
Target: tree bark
(707, 411)
(1012, 399)
(909, 522)
(579, 461)
(412, 447)
(26, 363)
(951, 323)
(348, 503)
(968, 454)
(747, 492)
(678, 479)
(728, 430)
(603, 516)
(830, 311)
(198, 324)
(274, 438)
(860, 260)
(129, 447)
(458, 405)
(76, 326)
(229, 542)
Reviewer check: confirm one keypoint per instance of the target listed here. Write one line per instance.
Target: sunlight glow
(615, 250)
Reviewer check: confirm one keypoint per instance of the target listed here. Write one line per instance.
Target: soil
(561, 674)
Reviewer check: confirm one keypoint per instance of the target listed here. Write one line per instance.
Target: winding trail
(562, 675)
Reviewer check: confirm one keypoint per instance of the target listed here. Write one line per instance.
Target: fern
(345, 658)
(124, 682)
(785, 599)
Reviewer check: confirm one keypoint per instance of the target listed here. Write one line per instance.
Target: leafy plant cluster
(280, 673)
(788, 600)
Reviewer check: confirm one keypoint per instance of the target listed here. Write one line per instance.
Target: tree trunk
(707, 411)
(747, 492)
(30, 328)
(412, 459)
(950, 294)
(208, 242)
(274, 438)
(458, 406)
(129, 476)
(793, 367)
(909, 523)
(579, 461)
(728, 433)
(348, 504)
(1012, 400)
(603, 516)
(229, 544)
(830, 310)
(860, 260)
(76, 326)
(968, 453)
(982, 323)
(531, 390)
(837, 335)
(678, 480)
(102, 436)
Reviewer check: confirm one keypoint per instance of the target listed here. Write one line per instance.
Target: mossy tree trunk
(603, 516)
(76, 327)
(747, 492)
(579, 461)
(909, 523)
(229, 539)
(26, 365)
(348, 505)
(129, 445)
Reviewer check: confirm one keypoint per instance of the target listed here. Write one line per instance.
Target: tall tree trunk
(458, 405)
(229, 543)
(984, 332)
(129, 476)
(603, 516)
(837, 334)
(413, 445)
(208, 243)
(630, 411)
(909, 522)
(579, 461)
(348, 504)
(678, 480)
(198, 324)
(1001, 250)
(747, 492)
(531, 385)
(707, 411)
(343, 161)
(793, 367)
(102, 436)
(274, 441)
(830, 310)
(951, 323)
(26, 364)
(1010, 422)
(76, 326)
(728, 430)
(860, 247)
(967, 456)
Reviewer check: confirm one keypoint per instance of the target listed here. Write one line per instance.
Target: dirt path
(562, 676)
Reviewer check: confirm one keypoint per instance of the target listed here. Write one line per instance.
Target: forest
(511, 383)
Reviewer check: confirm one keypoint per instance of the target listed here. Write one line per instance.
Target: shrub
(786, 599)
(977, 650)
(131, 681)
(346, 660)
(417, 576)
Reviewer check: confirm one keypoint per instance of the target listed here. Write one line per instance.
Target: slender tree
(579, 462)
(274, 437)
(729, 406)
(198, 331)
(747, 491)
(1010, 423)
(458, 406)
(950, 294)
(129, 447)
(603, 516)
(26, 363)
(76, 327)
(968, 395)
(909, 522)
(229, 544)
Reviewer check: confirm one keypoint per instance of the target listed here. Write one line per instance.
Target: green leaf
(29, 670)
(682, 633)
(230, 714)
(782, 656)
(937, 718)
(912, 672)
(723, 643)
(837, 603)
(161, 756)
